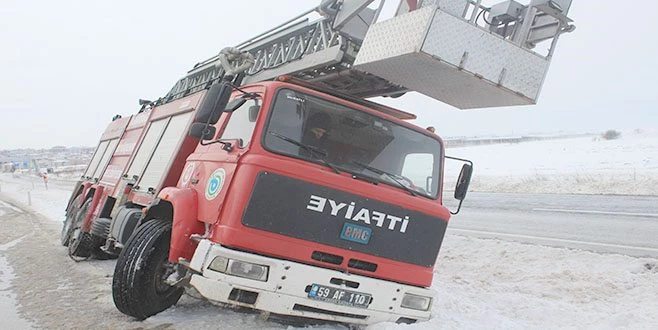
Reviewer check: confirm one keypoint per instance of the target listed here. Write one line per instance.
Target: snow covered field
(485, 283)
(590, 165)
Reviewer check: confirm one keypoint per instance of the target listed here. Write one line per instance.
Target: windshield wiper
(365, 178)
(319, 154)
(391, 176)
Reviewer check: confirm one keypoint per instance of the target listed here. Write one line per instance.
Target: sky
(68, 66)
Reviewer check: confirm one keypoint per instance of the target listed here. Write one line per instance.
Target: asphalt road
(600, 223)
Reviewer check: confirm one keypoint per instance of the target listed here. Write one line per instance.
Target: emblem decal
(356, 233)
(187, 175)
(215, 183)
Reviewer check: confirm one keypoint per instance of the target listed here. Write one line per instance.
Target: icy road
(600, 223)
(493, 283)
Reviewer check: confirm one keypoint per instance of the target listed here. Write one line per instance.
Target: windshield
(317, 130)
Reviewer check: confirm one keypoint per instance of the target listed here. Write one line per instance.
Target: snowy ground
(590, 165)
(7, 296)
(489, 283)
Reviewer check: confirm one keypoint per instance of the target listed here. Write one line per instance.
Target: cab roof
(372, 105)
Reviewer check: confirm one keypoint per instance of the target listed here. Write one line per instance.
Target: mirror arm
(227, 146)
(207, 143)
(245, 94)
(458, 207)
(461, 159)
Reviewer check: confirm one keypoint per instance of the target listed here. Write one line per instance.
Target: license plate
(339, 296)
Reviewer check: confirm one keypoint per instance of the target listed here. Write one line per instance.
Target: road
(41, 287)
(46, 287)
(51, 291)
(600, 223)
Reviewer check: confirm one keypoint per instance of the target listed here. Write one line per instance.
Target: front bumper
(285, 291)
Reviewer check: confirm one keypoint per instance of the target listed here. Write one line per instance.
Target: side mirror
(253, 113)
(463, 181)
(214, 103)
(234, 105)
(202, 131)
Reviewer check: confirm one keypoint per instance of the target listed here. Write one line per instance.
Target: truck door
(219, 162)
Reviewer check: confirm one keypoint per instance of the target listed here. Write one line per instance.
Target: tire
(67, 227)
(81, 244)
(100, 229)
(138, 287)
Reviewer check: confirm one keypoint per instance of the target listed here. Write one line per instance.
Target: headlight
(239, 268)
(219, 264)
(247, 270)
(413, 301)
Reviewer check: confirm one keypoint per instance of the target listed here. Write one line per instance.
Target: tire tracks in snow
(54, 292)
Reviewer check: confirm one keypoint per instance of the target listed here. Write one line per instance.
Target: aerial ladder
(459, 52)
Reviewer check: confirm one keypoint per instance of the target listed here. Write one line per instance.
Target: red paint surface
(184, 224)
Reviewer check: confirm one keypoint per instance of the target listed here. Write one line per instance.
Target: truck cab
(302, 203)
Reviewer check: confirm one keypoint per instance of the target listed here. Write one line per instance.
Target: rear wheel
(67, 228)
(100, 230)
(81, 243)
(139, 285)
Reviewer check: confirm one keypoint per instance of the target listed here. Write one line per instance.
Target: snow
(628, 165)
(508, 285)
(488, 283)
(50, 202)
(8, 306)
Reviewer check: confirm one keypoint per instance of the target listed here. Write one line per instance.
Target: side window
(242, 122)
(419, 168)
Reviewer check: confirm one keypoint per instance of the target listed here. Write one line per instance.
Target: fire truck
(266, 179)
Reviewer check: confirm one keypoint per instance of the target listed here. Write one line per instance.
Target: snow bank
(50, 202)
(628, 165)
(506, 285)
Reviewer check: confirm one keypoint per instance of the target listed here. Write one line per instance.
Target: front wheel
(139, 287)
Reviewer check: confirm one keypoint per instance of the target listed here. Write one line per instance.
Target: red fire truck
(265, 179)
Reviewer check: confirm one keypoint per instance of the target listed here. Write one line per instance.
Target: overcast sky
(66, 67)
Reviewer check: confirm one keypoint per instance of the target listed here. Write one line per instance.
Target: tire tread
(131, 279)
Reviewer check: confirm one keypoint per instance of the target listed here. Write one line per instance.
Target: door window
(242, 122)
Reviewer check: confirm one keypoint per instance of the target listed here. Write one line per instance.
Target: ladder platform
(451, 60)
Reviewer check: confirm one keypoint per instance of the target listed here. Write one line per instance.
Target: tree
(611, 135)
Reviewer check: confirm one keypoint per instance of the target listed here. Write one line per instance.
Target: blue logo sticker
(314, 291)
(215, 183)
(356, 233)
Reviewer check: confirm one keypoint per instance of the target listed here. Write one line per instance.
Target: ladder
(324, 52)
(320, 51)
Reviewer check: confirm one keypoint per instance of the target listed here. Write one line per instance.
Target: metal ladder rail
(312, 51)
